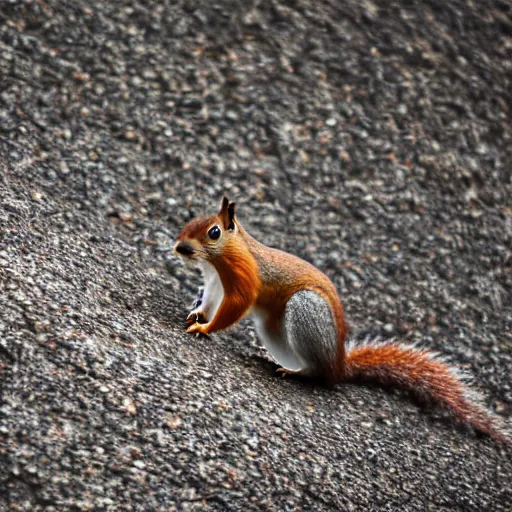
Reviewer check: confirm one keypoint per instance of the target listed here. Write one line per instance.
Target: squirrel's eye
(214, 233)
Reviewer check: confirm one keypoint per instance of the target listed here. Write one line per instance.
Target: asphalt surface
(371, 138)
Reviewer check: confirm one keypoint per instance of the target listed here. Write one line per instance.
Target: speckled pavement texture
(371, 138)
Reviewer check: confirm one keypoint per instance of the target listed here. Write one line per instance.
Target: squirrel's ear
(227, 213)
(231, 216)
(224, 205)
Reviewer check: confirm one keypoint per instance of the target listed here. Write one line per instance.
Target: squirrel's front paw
(198, 328)
(194, 317)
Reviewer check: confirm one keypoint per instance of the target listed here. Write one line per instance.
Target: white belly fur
(213, 293)
(276, 344)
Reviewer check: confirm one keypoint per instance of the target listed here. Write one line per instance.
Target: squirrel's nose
(184, 248)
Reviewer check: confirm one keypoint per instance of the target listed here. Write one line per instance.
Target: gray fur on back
(311, 331)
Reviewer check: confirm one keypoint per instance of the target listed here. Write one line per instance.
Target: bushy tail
(424, 375)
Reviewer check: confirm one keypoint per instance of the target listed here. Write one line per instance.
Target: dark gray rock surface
(371, 138)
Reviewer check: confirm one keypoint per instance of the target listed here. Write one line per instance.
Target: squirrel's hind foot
(297, 373)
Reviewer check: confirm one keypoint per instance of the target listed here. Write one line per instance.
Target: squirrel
(299, 319)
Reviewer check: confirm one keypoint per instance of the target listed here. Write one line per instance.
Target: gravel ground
(372, 138)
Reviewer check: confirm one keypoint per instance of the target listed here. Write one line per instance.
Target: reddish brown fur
(431, 380)
(197, 227)
(235, 266)
(296, 275)
(238, 272)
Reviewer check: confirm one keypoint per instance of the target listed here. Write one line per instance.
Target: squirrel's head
(206, 238)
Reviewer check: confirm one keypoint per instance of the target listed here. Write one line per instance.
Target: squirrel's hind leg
(311, 333)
